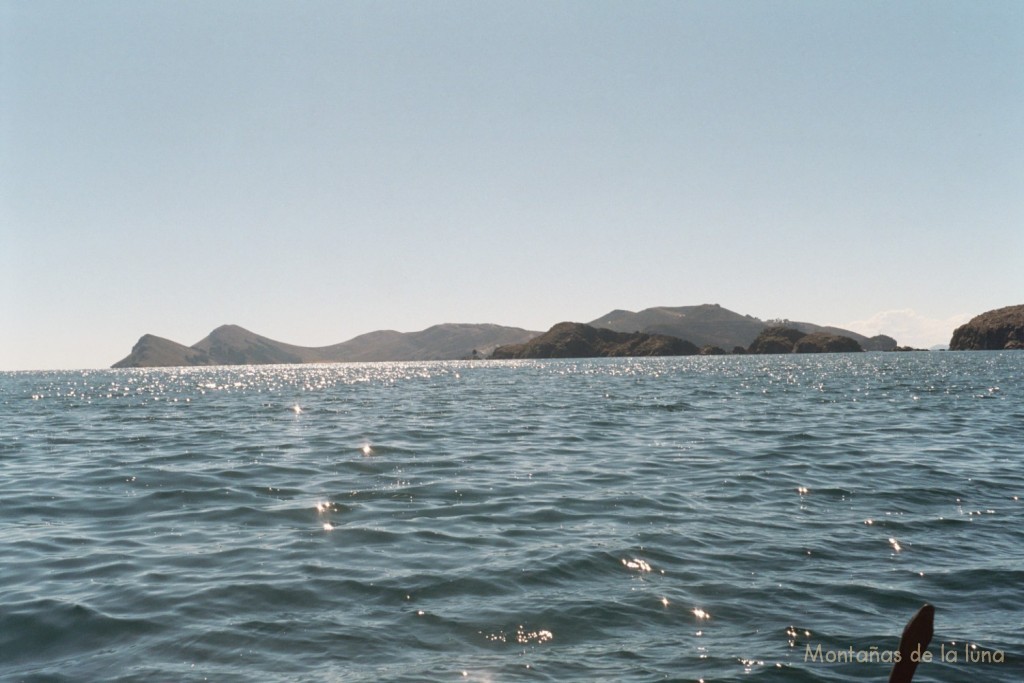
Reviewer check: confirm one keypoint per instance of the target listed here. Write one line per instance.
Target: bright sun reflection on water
(322, 508)
(636, 563)
(521, 636)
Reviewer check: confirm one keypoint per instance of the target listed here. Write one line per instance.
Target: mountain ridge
(713, 325)
(704, 325)
(235, 345)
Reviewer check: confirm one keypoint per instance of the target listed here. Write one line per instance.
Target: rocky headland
(995, 330)
(713, 325)
(791, 340)
(578, 340)
(152, 351)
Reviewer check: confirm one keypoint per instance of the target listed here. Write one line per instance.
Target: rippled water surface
(625, 520)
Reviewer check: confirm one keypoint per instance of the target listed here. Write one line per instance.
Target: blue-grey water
(702, 518)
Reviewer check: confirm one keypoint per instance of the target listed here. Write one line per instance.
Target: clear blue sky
(316, 170)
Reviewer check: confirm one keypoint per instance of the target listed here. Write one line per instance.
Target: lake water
(710, 518)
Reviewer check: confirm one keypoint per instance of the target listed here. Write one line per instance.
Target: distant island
(706, 329)
(995, 330)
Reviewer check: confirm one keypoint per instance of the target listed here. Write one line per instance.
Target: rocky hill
(712, 325)
(577, 340)
(791, 340)
(156, 352)
(234, 345)
(995, 330)
(449, 341)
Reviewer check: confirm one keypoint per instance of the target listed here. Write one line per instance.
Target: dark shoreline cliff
(790, 340)
(577, 340)
(996, 330)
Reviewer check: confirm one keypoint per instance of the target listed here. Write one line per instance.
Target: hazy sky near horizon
(317, 170)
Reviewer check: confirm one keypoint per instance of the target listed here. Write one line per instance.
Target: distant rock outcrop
(156, 352)
(879, 342)
(790, 340)
(577, 340)
(713, 325)
(995, 330)
(819, 342)
(776, 340)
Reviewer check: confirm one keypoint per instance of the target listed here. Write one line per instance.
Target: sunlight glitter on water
(637, 564)
(521, 636)
(503, 497)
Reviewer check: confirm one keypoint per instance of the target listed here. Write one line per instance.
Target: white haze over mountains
(909, 327)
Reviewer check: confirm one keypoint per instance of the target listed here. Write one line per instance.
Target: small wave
(44, 630)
